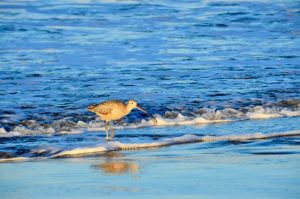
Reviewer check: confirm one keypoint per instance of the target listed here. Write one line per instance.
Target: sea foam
(197, 117)
(46, 152)
(184, 139)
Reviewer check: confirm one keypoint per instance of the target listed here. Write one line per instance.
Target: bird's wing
(104, 110)
(107, 107)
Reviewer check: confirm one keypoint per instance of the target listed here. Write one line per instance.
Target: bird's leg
(106, 129)
(112, 135)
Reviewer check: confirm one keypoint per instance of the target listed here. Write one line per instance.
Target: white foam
(2, 131)
(25, 131)
(289, 113)
(10, 134)
(14, 159)
(267, 113)
(179, 120)
(79, 151)
(202, 116)
(109, 146)
(255, 115)
(185, 139)
(73, 131)
(183, 120)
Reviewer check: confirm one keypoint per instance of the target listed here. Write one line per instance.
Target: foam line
(185, 139)
(14, 159)
(203, 116)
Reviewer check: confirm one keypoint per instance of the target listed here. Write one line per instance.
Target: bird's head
(92, 107)
(133, 104)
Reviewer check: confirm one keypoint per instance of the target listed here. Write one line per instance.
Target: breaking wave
(288, 108)
(117, 146)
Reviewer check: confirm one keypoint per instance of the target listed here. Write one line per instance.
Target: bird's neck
(128, 110)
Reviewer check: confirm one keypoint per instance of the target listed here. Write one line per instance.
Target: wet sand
(185, 171)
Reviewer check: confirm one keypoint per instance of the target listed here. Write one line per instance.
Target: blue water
(193, 58)
(59, 56)
(202, 68)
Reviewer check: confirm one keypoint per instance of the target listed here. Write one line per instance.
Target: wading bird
(115, 110)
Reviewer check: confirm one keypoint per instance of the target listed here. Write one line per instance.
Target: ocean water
(220, 76)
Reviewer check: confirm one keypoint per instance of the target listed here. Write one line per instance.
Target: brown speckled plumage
(114, 110)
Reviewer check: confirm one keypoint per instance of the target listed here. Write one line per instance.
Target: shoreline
(172, 172)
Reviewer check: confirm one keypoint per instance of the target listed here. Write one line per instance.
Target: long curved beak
(141, 109)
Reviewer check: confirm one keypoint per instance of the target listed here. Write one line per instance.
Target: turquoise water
(202, 68)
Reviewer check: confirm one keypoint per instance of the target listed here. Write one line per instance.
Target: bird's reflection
(118, 167)
(113, 164)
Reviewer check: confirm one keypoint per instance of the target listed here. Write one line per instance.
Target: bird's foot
(108, 139)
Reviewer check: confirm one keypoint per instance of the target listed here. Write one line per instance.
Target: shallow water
(187, 171)
(58, 57)
(221, 77)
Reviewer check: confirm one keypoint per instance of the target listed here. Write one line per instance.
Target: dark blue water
(57, 57)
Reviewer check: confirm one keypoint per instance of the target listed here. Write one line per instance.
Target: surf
(164, 142)
(169, 118)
